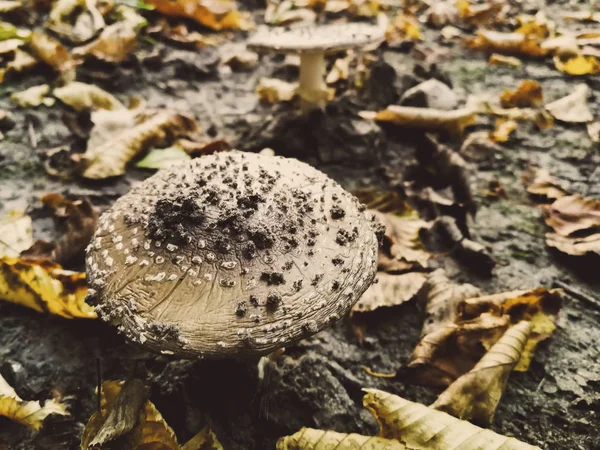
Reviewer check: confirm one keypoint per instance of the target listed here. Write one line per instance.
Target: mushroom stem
(312, 91)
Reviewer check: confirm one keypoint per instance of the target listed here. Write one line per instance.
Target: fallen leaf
(163, 158)
(593, 130)
(273, 90)
(578, 65)
(389, 202)
(21, 62)
(75, 20)
(378, 374)
(475, 395)
(573, 214)
(430, 94)
(481, 14)
(16, 234)
(503, 60)
(340, 69)
(540, 184)
(10, 45)
(44, 286)
(512, 44)
(574, 246)
(215, 14)
(119, 136)
(403, 27)
(441, 13)
(82, 96)
(390, 290)
(32, 97)
(196, 149)
(563, 46)
(311, 439)
(9, 31)
(583, 16)
(28, 413)
(79, 220)
(241, 61)
(527, 95)
(503, 129)
(114, 45)
(573, 108)
(425, 118)
(52, 52)
(127, 419)
(423, 428)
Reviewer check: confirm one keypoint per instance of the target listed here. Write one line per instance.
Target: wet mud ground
(317, 383)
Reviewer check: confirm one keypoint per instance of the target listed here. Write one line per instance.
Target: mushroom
(233, 254)
(313, 43)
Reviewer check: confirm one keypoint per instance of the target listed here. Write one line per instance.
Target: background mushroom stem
(312, 91)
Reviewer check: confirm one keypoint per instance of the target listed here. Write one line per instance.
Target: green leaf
(162, 158)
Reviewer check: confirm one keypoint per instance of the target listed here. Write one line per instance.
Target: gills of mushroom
(312, 89)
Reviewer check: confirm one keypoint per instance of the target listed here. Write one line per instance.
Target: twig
(576, 293)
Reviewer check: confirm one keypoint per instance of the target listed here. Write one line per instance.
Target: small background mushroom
(313, 43)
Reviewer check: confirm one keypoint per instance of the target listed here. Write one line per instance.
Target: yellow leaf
(16, 234)
(119, 136)
(45, 287)
(215, 14)
(528, 94)
(311, 439)
(28, 413)
(475, 395)
(81, 96)
(425, 118)
(423, 428)
(512, 44)
(497, 59)
(503, 130)
(204, 440)
(578, 65)
(390, 290)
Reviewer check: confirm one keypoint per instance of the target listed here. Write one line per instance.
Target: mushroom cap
(230, 254)
(316, 39)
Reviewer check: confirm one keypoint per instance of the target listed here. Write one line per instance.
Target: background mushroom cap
(230, 254)
(316, 39)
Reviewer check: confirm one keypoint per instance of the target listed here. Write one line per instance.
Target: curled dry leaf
(540, 184)
(481, 14)
(578, 65)
(44, 286)
(16, 234)
(311, 439)
(390, 290)
(80, 218)
(163, 157)
(114, 45)
(528, 94)
(563, 46)
(453, 122)
(273, 90)
(28, 413)
(503, 129)
(475, 395)
(51, 52)
(32, 97)
(82, 96)
(574, 246)
(127, 419)
(75, 20)
(423, 428)
(119, 136)
(573, 108)
(389, 202)
(512, 44)
(215, 14)
(497, 59)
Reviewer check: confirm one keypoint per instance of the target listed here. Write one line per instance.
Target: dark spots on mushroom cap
(287, 266)
(335, 285)
(164, 331)
(273, 300)
(272, 278)
(254, 300)
(297, 285)
(240, 309)
(249, 250)
(337, 212)
(344, 237)
(337, 261)
(172, 219)
(316, 279)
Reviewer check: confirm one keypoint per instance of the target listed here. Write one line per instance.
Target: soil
(318, 382)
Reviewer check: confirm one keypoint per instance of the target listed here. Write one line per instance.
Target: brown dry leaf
(583, 16)
(401, 249)
(578, 65)
(28, 413)
(114, 45)
(82, 96)
(51, 52)
(127, 419)
(563, 46)
(538, 306)
(403, 27)
(573, 214)
(44, 286)
(540, 117)
(503, 129)
(75, 20)
(241, 61)
(425, 118)
(512, 44)
(540, 183)
(311, 439)
(503, 60)
(119, 136)
(340, 69)
(16, 234)
(214, 14)
(475, 395)
(273, 90)
(80, 218)
(423, 428)
(390, 290)
(196, 149)
(21, 62)
(441, 13)
(481, 14)
(574, 246)
(389, 202)
(32, 97)
(527, 95)
(572, 108)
